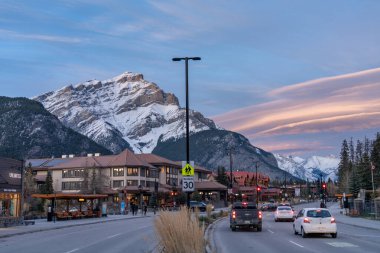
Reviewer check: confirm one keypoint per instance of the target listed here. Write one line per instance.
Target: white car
(284, 213)
(315, 221)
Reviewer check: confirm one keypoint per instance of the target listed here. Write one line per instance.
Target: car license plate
(247, 222)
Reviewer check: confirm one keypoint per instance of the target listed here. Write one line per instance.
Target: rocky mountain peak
(122, 110)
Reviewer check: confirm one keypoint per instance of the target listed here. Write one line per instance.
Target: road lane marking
(271, 231)
(111, 236)
(72, 250)
(299, 245)
(361, 235)
(341, 244)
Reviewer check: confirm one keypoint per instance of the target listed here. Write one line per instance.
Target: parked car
(268, 207)
(315, 221)
(245, 215)
(196, 204)
(284, 213)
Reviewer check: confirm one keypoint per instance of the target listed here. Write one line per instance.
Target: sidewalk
(354, 221)
(44, 225)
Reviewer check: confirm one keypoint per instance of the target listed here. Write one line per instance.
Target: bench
(29, 222)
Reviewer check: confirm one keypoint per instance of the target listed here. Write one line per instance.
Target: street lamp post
(186, 59)
(141, 199)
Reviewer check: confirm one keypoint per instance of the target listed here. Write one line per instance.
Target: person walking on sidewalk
(145, 209)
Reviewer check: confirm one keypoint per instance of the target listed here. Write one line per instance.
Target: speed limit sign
(188, 184)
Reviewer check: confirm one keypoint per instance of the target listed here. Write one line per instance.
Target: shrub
(174, 230)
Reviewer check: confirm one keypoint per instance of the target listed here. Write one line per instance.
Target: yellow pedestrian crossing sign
(188, 170)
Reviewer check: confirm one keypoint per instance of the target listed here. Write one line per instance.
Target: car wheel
(275, 220)
(294, 228)
(304, 235)
(233, 228)
(259, 228)
(334, 235)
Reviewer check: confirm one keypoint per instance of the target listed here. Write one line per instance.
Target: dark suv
(245, 215)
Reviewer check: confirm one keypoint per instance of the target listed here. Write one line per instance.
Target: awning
(69, 196)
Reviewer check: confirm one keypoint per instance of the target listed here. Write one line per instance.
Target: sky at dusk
(293, 76)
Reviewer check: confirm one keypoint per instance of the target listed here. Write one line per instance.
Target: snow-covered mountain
(129, 112)
(310, 168)
(123, 112)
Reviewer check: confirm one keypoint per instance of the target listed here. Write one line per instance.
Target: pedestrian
(145, 209)
(133, 209)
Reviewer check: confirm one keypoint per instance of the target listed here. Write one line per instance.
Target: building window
(132, 182)
(152, 173)
(142, 172)
(76, 185)
(118, 183)
(78, 173)
(132, 172)
(119, 172)
(171, 176)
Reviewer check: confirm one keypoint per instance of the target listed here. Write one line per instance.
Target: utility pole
(229, 150)
(257, 186)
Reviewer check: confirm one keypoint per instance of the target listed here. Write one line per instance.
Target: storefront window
(9, 204)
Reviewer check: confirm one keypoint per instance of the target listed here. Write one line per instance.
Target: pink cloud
(341, 103)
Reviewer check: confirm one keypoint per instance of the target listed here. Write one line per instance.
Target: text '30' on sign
(188, 184)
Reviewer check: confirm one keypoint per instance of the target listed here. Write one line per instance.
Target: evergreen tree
(364, 168)
(47, 188)
(354, 186)
(343, 169)
(222, 176)
(375, 159)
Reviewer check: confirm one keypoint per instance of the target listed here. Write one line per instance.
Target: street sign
(188, 184)
(187, 169)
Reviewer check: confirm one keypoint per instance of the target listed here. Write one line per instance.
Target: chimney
(97, 154)
(64, 156)
(71, 156)
(89, 155)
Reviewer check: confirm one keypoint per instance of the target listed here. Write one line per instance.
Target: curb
(67, 226)
(210, 247)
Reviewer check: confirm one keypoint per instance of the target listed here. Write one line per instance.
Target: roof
(157, 160)
(125, 158)
(209, 185)
(196, 168)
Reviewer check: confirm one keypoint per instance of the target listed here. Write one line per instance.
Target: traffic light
(324, 186)
(258, 189)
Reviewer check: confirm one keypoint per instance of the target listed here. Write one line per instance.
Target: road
(279, 237)
(132, 235)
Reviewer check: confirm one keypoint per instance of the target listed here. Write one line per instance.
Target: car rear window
(318, 213)
(284, 208)
(244, 207)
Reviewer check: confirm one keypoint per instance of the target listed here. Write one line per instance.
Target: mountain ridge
(129, 112)
(312, 168)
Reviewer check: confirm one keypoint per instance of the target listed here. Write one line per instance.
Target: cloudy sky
(293, 76)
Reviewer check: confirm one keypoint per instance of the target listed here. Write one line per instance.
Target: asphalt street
(132, 235)
(279, 237)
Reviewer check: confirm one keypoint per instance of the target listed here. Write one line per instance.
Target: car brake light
(306, 220)
(260, 215)
(233, 215)
(332, 220)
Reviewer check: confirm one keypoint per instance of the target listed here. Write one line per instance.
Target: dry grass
(180, 232)
(208, 210)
